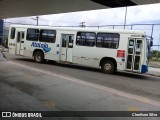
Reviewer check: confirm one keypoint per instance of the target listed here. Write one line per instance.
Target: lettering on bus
(40, 45)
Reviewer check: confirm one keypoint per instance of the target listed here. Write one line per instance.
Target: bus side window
(70, 43)
(12, 34)
(86, 39)
(18, 37)
(108, 40)
(64, 42)
(32, 34)
(47, 36)
(138, 46)
(22, 35)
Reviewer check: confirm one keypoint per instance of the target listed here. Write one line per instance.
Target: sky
(114, 16)
(135, 14)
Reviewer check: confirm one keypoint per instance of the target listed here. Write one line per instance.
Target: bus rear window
(12, 35)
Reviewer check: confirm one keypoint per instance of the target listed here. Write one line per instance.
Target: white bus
(108, 49)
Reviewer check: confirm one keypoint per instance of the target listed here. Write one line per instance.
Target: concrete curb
(154, 64)
(150, 74)
(3, 49)
(2, 56)
(154, 71)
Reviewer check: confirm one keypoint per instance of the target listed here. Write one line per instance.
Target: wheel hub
(38, 58)
(107, 66)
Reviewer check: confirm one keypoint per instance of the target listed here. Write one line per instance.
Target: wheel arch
(37, 50)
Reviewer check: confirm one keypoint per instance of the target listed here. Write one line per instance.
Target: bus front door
(20, 43)
(134, 55)
(66, 49)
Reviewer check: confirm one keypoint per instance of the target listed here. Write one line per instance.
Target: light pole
(125, 18)
(158, 47)
(36, 19)
(82, 24)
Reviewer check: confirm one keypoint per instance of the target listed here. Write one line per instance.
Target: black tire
(108, 67)
(39, 57)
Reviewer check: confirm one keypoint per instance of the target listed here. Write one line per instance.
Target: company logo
(6, 114)
(40, 45)
(21, 114)
(11, 44)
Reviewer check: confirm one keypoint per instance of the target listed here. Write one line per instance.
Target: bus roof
(81, 29)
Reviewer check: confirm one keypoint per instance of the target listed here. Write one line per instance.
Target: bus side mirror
(151, 43)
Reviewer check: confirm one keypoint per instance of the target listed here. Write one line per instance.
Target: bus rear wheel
(39, 57)
(108, 67)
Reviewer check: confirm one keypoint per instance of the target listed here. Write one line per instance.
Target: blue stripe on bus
(144, 69)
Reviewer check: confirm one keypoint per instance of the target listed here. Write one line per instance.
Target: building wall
(1, 31)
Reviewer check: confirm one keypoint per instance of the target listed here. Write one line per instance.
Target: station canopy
(22, 8)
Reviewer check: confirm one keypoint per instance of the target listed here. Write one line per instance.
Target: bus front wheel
(108, 67)
(39, 57)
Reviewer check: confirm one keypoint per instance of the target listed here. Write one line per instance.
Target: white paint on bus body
(82, 54)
